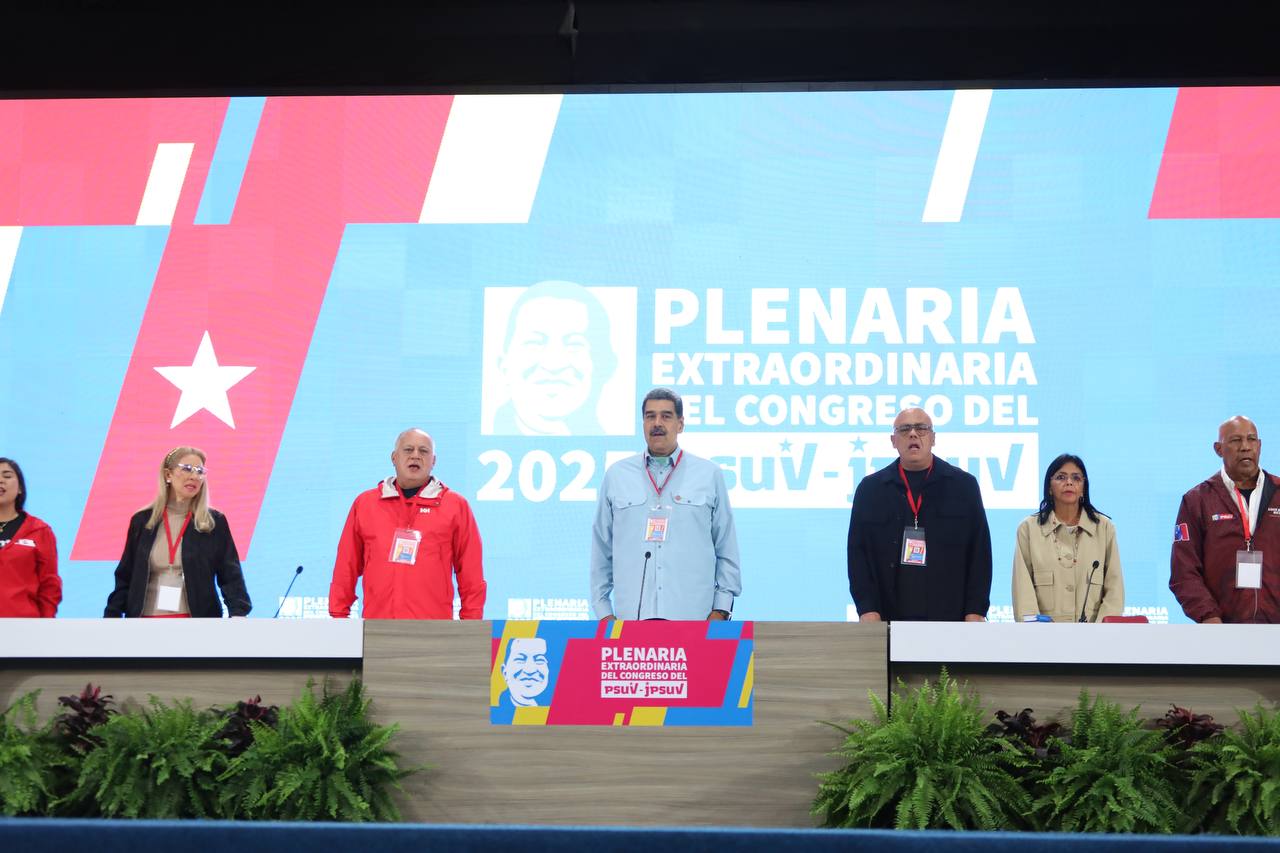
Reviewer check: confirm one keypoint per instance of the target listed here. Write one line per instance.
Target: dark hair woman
(29, 582)
(1066, 564)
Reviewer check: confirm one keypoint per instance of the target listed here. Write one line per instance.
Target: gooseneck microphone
(643, 569)
(285, 597)
(1088, 583)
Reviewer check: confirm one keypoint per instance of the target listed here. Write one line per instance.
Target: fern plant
(926, 763)
(26, 760)
(73, 736)
(1235, 778)
(161, 762)
(1112, 775)
(323, 760)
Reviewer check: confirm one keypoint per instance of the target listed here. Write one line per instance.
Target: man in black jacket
(919, 545)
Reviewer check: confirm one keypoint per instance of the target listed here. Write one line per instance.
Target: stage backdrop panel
(289, 282)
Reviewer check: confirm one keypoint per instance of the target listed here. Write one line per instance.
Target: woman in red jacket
(29, 582)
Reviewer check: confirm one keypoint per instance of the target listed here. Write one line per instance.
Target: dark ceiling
(73, 48)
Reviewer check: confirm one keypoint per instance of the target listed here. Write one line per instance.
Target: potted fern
(322, 760)
(1235, 778)
(159, 762)
(1111, 774)
(27, 760)
(925, 763)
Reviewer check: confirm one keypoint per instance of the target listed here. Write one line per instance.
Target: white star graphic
(204, 385)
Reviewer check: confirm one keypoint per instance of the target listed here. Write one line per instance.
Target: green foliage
(26, 760)
(927, 763)
(1235, 778)
(73, 737)
(1113, 775)
(324, 760)
(161, 762)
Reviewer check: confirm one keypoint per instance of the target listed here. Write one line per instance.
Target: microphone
(1088, 583)
(643, 569)
(285, 597)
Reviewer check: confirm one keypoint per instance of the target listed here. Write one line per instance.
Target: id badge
(404, 546)
(658, 524)
(1248, 569)
(913, 546)
(168, 598)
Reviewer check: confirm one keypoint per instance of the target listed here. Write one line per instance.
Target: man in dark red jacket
(408, 537)
(1226, 544)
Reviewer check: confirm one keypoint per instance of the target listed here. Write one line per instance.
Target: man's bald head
(414, 456)
(913, 439)
(1241, 450)
(414, 432)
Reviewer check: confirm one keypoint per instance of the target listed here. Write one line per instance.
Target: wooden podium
(431, 677)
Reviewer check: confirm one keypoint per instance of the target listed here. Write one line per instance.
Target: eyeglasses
(198, 470)
(1063, 479)
(907, 429)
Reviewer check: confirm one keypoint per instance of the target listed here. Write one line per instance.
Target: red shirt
(450, 545)
(29, 582)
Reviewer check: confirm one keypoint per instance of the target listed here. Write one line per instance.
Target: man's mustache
(563, 374)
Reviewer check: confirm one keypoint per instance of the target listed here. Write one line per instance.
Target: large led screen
(290, 282)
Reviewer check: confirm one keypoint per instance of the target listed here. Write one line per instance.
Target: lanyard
(656, 487)
(1244, 519)
(913, 501)
(168, 535)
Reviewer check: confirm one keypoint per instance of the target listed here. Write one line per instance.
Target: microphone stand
(285, 597)
(1089, 583)
(643, 570)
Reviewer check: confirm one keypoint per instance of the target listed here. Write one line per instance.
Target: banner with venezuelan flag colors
(650, 673)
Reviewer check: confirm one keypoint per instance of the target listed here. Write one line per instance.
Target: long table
(1211, 669)
(433, 679)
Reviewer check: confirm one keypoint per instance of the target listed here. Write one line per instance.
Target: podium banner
(621, 673)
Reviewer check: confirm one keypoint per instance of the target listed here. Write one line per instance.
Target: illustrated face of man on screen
(555, 360)
(526, 671)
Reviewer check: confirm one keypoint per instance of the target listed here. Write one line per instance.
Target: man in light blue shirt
(663, 544)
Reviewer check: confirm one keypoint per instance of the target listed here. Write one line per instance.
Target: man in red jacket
(1226, 544)
(407, 537)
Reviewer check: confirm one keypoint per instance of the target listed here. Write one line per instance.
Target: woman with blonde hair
(177, 549)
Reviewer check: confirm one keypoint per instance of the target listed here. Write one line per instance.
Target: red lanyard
(656, 487)
(168, 535)
(913, 501)
(1244, 519)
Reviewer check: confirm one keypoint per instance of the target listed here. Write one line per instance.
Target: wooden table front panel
(432, 678)
(205, 683)
(1052, 690)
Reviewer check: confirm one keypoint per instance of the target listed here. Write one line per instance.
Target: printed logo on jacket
(622, 673)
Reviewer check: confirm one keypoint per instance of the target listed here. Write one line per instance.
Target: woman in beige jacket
(1066, 564)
